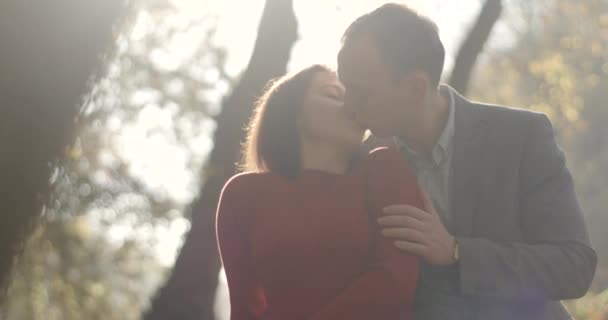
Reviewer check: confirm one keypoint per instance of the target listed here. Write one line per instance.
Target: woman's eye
(333, 95)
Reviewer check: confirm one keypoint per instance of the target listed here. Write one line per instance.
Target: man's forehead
(358, 58)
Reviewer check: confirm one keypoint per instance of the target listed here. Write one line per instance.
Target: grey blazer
(523, 241)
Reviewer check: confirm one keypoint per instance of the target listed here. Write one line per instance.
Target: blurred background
(125, 120)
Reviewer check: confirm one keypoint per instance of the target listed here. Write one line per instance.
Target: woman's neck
(324, 157)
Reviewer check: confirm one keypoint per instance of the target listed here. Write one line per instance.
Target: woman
(297, 234)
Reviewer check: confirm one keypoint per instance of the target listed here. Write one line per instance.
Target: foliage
(95, 257)
(69, 271)
(51, 52)
(96, 254)
(190, 292)
(593, 306)
(558, 66)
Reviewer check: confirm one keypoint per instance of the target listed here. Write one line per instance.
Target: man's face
(381, 102)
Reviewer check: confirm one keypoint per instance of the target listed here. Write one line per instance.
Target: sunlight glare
(154, 156)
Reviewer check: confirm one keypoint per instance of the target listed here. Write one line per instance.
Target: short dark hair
(273, 137)
(406, 39)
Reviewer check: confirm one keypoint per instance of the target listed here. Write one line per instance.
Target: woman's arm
(387, 287)
(247, 300)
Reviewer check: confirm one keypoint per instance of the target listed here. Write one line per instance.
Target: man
(502, 235)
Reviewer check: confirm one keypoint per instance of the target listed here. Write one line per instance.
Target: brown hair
(406, 39)
(273, 137)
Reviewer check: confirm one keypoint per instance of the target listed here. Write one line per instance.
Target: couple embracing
(450, 209)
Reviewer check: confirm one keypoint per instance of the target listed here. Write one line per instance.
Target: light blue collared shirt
(433, 174)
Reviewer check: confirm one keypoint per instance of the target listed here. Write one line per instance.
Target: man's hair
(407, 40)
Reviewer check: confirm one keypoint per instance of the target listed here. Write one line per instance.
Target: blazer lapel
(467, 163)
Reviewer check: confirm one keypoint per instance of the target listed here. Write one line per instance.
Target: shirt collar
(442, 148)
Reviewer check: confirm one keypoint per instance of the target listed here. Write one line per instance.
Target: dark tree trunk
(49, 52)
(473, 45)
(190, 290)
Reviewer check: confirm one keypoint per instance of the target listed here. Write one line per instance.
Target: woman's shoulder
(385, 156)
(250, 190)
(252, 186)
(387, 161)
(238, 200)
(390, 179)
(247, 181)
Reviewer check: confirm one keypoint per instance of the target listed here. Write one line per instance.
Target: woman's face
(323, 118)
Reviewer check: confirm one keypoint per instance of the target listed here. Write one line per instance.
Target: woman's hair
(273, 136)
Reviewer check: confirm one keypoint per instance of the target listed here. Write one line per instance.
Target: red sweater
(310, 247)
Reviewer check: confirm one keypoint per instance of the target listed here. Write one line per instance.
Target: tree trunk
(50, 51)
(473, 45)
(190, 290)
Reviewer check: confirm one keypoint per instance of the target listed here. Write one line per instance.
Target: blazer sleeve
(556, 261)
(387, 287)
(247, 301)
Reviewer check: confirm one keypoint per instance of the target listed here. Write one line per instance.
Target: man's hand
(419, 232)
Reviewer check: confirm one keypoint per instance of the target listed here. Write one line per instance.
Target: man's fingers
(406, 210)
(428, 203)
(401, 221)
(396, 209)
(411, 247)
(405, 234)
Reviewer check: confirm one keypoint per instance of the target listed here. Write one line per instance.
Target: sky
(321, 23)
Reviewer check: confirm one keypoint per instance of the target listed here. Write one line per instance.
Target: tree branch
(51, 53)
(473, 45)
(190, 291)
